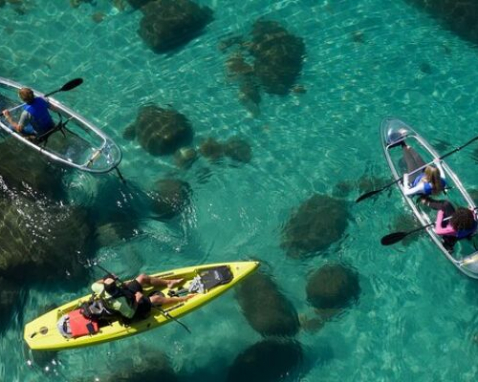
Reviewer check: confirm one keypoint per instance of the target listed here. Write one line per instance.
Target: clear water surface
(416, 318)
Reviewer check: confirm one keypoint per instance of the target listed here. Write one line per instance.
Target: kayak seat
(216, 276)
(43, 139)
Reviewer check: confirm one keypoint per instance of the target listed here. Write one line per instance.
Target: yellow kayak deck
(43, 333)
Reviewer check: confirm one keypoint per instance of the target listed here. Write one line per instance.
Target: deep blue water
(415, 319)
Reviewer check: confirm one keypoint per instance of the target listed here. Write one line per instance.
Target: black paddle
(68, 86)
(371, 193)
(395, 237)
(163, 312)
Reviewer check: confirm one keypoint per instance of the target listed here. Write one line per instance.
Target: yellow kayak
(50, 331)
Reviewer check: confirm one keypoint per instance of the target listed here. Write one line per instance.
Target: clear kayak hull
(80, 144)
(392, 131)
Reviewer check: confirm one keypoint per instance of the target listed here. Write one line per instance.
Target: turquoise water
(416, 316)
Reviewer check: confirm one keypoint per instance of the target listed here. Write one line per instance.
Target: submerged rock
(235, 148)
(266, 309)
(267, 361)
(333, 286)
(319, 222)
(152, 366)
(168, 24)
(171, 196)
(211, 149)
(278, 56)
(139, 3)
(185, 157)
(272, 60)
(459, 16)
(161, 131)
(23, 169)
(9, 298)
(238, 149)
(36, 240)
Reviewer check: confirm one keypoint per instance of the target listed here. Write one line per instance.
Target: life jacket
(41, 118)
(427, 186)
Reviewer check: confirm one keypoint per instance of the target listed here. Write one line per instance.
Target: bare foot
(189, 296)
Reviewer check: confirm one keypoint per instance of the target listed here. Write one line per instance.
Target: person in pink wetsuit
(460, 225)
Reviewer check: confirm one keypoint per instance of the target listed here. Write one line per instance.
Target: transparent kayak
(78, 144)
(392, 131)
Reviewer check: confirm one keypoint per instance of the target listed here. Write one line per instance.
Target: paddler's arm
(447, 230)
(18, 128)
(440, 168)
(409, 191)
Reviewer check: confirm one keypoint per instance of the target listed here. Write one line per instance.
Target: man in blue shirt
(35, 118)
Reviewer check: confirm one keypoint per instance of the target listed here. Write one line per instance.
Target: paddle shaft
(163, 312)
(371, 193)
(68, 86)
(395, 237)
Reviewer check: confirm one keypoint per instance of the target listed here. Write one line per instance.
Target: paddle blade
(367, 195)
(72, 84)
(393, 238)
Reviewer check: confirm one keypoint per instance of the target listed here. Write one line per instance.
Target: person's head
(433, 176)
(26, 95)
(462, 219)
(110, 287)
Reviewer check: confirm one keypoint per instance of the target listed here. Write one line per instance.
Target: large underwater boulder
(333, 286)
(170, 197)
(9, 298)
(152, 366)
(168, 24)
(319, 222)
(266, 309)
(136, 4)
(162, 131)
(460, 16)
(278, 56)
(267, 361)
(23, 169)
(211, 149)
(238, 149)
(271, 60)
(235, 148)
(42, 240)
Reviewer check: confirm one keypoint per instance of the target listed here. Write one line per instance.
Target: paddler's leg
(146, 280)
(158, 300)
(413, 161)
